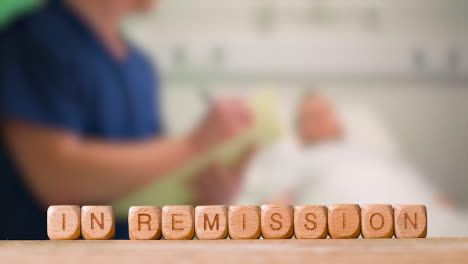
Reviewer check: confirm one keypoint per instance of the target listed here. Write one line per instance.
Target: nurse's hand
(220, 184)
(227, 118)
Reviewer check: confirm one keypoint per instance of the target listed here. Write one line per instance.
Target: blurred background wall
(405, 62)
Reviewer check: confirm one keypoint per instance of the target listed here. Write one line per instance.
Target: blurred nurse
(80, 114)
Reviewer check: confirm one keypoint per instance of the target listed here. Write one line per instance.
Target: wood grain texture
(144, 222)
(277, 221)
(317, 251)
(97, 222)
(410, 221)
(63, 222)
(178, 222)
(377, 221)
(310, 222)
(211, 222)
(344, 221)
(244, 222)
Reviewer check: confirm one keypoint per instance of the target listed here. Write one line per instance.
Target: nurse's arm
(61, 168)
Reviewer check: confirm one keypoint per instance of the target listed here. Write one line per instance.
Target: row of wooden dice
(241, 222)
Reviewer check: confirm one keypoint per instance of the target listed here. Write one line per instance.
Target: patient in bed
(321, 165)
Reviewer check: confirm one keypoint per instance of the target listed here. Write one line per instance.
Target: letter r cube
(144, 222)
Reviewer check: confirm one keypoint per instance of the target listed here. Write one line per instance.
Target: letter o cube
(377, 221)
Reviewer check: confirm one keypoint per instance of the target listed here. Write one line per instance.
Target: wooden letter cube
(344, 221)
(63, 222)
(211, 222)
(244, 222)
(410, 221)
(144, 222)
(377, 221)
(178, 222)
(97, 222)
(310, 221)
(277, 221)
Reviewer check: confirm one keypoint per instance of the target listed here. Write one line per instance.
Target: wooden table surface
(361, 251)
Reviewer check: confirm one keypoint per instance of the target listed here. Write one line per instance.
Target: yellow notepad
(171, 190)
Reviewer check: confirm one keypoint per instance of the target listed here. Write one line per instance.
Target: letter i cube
(244, 222)
(63, 222)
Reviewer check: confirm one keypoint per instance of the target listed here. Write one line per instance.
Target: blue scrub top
(55, 73)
